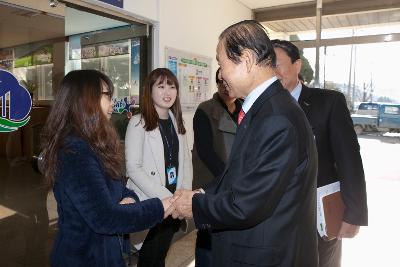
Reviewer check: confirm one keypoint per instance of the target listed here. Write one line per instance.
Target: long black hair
(76, 110)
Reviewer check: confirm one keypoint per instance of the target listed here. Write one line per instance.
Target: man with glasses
(338, 149)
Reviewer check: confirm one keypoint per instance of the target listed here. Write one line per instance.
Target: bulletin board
(194, 74)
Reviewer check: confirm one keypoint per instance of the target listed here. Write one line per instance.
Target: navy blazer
(339, 156)
(262, 210)
(90, 218)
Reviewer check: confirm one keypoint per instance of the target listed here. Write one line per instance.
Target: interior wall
(192, 26)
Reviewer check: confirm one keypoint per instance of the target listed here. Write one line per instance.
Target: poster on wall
(135, 70)
(194, 75)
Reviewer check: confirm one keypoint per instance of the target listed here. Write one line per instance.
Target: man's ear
(248, 58)
(297, 64)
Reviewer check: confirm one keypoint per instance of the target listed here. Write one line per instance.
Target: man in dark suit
(214, 129)
(262, 209)
(338, 149)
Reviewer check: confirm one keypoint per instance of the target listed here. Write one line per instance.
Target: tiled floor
(181, 253)
(28, 223)
(377, 244)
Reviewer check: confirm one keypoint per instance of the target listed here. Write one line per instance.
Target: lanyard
(170, 147)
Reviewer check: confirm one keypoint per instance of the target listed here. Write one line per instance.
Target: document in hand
(330, 208)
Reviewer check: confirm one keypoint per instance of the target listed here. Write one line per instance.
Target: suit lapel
(304, 99)
(274, 88)
(226, 124)
(242, 129)
(157, 150)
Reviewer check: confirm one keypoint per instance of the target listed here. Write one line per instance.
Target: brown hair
(76, 110)
(147, 109)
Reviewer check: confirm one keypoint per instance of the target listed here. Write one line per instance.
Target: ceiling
(290, 16)
(354, 20)
(30, 25)
(77, 21)
(27, 26)
(256, 4)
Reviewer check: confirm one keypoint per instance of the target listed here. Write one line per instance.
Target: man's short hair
(248, 34)
(291, 50)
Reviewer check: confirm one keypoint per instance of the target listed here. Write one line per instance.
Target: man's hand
(127, 200)
(183, 204)
(348, 230)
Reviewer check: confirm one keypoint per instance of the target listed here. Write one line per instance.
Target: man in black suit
(262, 209)
(338, 149)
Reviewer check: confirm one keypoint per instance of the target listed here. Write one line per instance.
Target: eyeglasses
(107, 94)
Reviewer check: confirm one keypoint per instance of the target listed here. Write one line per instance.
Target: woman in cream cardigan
(157, 157)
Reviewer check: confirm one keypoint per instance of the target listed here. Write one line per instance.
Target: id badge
(171, 173)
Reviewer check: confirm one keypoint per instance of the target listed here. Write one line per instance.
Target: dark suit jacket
(214, 130)
(338, 149)
(90, 219)
(262, 208)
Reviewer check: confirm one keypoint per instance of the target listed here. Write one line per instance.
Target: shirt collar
(297, 91)
(252, 97)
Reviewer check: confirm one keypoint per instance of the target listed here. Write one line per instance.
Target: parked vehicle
(387, 119)
(368, 108)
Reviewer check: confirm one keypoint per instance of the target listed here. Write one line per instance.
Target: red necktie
(241, 116)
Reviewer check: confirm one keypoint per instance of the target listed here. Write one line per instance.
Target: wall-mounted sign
(6, 59)
(16, 103)
(113, 49)
(193, 73)
(117, 3)
(89, 52)
(30, 56)
(43, 55)
(135, 69)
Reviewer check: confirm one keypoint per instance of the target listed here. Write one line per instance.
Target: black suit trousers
(329, 252)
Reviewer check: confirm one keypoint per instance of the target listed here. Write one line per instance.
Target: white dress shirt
(252, 97)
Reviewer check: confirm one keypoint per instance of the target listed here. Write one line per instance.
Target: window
(392, 110)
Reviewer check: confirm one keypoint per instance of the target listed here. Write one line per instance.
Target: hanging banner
(117, 3)
(194, 75)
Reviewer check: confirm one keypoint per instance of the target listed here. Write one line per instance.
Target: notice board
(194, 74)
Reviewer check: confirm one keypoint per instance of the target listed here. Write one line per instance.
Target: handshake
(180, 204)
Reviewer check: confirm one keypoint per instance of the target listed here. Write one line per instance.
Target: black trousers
(157, 243)
(329, 252)
(203, 249)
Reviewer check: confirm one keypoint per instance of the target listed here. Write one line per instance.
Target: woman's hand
(127, 200)
(168, 205)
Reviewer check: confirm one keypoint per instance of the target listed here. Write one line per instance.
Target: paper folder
(330, 210)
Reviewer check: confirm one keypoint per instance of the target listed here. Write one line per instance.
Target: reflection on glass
(38, 57)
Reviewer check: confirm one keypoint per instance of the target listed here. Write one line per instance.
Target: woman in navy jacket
(82, 162)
